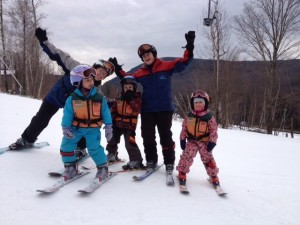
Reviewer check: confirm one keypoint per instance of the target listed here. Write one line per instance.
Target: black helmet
(200, 94)
(144, 48)
(129, 80)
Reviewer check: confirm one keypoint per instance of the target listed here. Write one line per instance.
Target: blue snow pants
(93, 138)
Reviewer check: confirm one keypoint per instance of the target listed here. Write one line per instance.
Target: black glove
(190, 38)
(41, 34)
(210, 146)
(118, 67)
(128, 96)
(182, 144)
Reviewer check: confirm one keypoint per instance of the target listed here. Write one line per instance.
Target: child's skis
(60, 183)
(95, 184)
(59, 172)
(218, 189)
(183, 189)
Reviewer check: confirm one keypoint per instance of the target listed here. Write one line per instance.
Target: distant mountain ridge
(203, 69)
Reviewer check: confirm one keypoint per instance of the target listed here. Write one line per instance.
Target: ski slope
(261, 174)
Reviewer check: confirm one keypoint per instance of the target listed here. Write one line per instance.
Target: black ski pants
(132, 148)
(163, 122)
(40, 121)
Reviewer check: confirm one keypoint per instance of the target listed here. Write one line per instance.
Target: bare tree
(218, 37)
(269, 29)
(24, 19)
(3, 45)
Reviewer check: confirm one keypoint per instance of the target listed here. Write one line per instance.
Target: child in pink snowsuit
(199, 128)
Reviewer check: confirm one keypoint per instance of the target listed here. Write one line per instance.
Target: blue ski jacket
(62, 88)
(156, 82)
(68, 115)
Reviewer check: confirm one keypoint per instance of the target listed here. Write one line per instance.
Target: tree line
(267, 31)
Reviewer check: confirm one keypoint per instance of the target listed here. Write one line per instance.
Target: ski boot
(20, 144)
(133, 165)
(80, 153)
(71, 170)
(169, 169)
(112, 157)
(182, 182)
(214, 180)
(151, 166)
(182, 178)
(102, 172)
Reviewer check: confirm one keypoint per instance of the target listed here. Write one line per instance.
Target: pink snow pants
(190, 152)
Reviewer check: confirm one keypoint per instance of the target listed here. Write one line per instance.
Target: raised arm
(62, 58)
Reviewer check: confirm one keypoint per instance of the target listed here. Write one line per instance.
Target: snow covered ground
(261, 174)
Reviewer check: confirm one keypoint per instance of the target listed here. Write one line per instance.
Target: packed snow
(260, 173)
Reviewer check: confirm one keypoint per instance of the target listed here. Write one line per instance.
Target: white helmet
(80, 72)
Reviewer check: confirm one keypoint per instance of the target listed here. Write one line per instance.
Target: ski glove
(182, 144)
(68, 132)
(118, 67)
(190, 38)
(108, 132)
(41, 34)
(210, 146)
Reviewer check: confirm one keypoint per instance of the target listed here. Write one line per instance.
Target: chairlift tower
(209, 20)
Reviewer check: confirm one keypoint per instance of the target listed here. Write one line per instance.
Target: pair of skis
(169, 177)
(95, 184)
(184, 190)
(59, 172)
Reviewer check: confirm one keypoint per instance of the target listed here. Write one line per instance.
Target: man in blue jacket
(57, 96)
(157, 107)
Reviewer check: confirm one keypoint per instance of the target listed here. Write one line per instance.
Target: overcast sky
(93, 29)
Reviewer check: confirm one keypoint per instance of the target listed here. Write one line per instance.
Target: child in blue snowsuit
(84, 112)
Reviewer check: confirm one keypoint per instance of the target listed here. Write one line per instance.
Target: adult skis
(146, 174)
(60, 183)
(36, 145)
(95, 184)
(129, 170)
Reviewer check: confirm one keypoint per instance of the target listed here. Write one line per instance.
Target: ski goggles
(145, 48)
(109, 67)
(106, 65)
(201, 94)
(199, 99)
(91, 72)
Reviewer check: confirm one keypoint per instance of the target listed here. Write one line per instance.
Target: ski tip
(54, 174)
(136, 178)
(43, 192)
(223, 194)
(83, 192)
(183, 189)
(85, 167)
